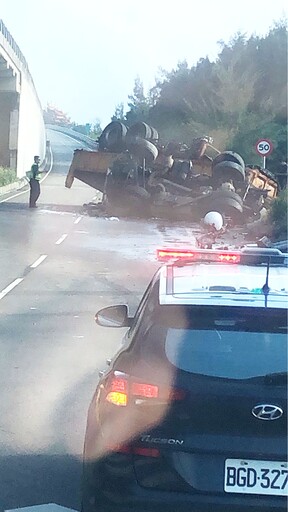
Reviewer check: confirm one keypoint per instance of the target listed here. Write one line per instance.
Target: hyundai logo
(267, 412)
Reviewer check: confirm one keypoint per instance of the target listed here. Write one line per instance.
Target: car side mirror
(113, 316)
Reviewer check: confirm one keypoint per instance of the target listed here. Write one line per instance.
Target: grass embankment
(7, 176)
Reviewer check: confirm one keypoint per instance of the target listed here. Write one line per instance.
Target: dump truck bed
(90, 167)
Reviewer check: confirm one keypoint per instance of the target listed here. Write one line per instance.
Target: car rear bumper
(106, 491)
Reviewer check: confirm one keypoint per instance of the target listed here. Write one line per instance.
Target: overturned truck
(139, 175)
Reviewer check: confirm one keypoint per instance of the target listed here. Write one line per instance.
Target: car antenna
(265, 288)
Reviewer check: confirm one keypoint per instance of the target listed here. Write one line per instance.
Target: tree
(139, 105)
(119, 113)
(92, 131)
(237, 99)
(95, 130)
(85, 129)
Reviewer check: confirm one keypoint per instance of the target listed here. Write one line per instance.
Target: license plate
(256, 477)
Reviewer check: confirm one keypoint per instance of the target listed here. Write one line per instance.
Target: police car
(191, 413)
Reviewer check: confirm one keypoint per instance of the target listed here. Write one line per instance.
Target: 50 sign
(264, 147)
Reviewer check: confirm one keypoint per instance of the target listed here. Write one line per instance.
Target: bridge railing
(75, 135)
(5, 32)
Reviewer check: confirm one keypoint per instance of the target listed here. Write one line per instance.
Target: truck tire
(224, 194)
(229, 156)
(142, 148)
(227, 170)
(140, 129)
(113, 137)
(228, 208)
(228, 203)
(154, 134)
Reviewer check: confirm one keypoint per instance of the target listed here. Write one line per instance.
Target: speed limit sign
(264, 147)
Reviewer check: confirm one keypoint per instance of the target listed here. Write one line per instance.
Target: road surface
(58, 267)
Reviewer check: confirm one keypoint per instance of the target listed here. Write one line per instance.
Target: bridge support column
(9, 120)
(13, 138)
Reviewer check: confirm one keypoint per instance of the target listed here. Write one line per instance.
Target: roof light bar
(198, 255)
(168, 254)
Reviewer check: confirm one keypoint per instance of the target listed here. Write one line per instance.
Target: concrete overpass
(22, 130)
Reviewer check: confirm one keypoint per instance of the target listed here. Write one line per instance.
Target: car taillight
(144, 390)
(134, 450)
(146, 452)
(120, 389)
(118, 392)
(198, 255)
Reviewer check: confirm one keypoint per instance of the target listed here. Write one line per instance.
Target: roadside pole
(264, 148)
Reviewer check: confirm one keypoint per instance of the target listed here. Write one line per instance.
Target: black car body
(191, 414)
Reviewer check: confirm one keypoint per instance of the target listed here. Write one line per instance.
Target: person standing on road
(33, 177)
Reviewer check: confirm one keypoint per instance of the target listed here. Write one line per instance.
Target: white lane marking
(83, 232)
(44, 211)
(51, 166)
(10, 287)
(61, 239)
(15, 195)
(78, 337)
(28, 190)
(37, 262)
(77, 220)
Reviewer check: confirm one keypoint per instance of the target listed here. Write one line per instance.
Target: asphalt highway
(58, 267)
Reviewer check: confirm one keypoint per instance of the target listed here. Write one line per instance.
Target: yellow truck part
(90, 162)
(257, 178)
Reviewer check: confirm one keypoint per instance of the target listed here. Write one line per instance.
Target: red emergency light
(198, 255)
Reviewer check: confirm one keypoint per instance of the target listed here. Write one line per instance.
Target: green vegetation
(52, 115)
(278, 217)
(92, 131)
(7, 176)
(237, 99)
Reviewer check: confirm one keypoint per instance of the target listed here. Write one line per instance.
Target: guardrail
(75, 135)
(5, 32)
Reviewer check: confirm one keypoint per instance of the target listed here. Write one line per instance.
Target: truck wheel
(140, 129)
(228, 207)
(229, 156)
(227, 170)
(226, 194)
(142, 148)
(154, 134)
(227, 203)
(113, 137)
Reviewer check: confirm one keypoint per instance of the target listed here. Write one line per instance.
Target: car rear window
(229, 354)
(234, 343)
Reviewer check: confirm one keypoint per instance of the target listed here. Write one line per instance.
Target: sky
(84, 55)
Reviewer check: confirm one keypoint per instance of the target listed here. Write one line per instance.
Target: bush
(7, 176)
(278, 217)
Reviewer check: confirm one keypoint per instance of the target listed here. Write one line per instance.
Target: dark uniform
(34, 182)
